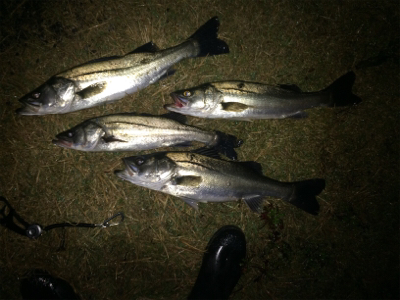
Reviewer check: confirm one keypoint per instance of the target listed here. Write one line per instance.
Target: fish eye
(139, 161)
(70, 134)
(36, 95)
(187, 93)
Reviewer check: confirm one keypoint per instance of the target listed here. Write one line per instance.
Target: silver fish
(194, 178)
(240, 100)
(110, 79)
(133, 132)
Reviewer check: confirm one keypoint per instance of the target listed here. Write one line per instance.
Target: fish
(201, 176)
(134, 132)
(246, 101)
(106, 80)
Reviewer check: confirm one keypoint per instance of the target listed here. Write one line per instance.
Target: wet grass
(349, 251)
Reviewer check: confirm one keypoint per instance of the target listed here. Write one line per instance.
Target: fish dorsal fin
(234, 106)
(255, 166)
(92, 90)
(149, 47)
(175, 116)
(209, 152)
(290, 87)
(192, 181)
(254, 202)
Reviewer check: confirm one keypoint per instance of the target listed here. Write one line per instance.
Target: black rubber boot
(41, 285)
(221, 266)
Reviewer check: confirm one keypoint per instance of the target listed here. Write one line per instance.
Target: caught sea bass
(198, 178)
(133, 132)
(110, 79)
(240, 100)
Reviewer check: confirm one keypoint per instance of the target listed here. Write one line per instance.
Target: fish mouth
(29, 108)
(130, 167)
(62, 143)
(179, 102)
(130, 170)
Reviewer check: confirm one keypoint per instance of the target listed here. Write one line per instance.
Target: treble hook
(107, 223)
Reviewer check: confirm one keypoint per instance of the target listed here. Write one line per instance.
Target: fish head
(152, 171)
(84, 137)
(53, 97)
(198, 101)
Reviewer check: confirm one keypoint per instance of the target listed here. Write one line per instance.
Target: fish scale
(195, 177)
(240, 100)
(106, 80)
(133, 132)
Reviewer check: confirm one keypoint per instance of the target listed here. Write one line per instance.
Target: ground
(350, 250)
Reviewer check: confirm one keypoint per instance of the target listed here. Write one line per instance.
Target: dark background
(351, 250)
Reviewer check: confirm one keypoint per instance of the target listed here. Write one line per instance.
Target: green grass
(349, 251)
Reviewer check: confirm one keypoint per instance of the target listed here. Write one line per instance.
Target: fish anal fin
(169, 72)
(234, 106)
(92, 90)
(191, 202)
(253, 165)
(254, 202)
(299, 115)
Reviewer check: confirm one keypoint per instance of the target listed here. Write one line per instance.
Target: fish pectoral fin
(254, 202)
(234, 106)
(111, 138)
(92, 90)
(191, 202)
(149, 47)
(193, 181)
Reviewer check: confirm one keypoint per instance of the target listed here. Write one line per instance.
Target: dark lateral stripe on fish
(76, 77)
(129, 123)
(196, 164)
(237, 91)
(108, 124)
(95, 72)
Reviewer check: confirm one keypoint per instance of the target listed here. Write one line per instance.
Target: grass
(349, 251)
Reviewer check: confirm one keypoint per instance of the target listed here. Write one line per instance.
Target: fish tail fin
(226, 145)
(341, 91)
(206, 36)
(303, 195)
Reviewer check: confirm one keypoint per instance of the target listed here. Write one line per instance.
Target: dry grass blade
(349, 251)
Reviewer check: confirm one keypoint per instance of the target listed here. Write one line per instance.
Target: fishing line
(10, 219)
